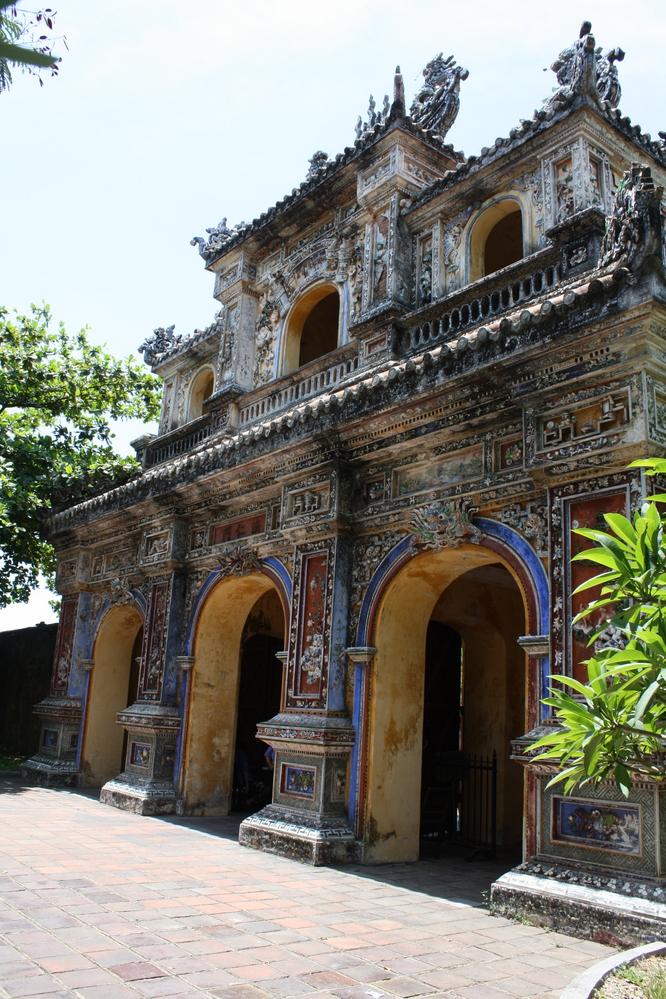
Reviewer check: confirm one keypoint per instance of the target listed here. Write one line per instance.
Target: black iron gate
(459, 803)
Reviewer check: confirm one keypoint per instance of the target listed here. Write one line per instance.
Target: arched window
(202, 389)
(313, 327)
(496, 240)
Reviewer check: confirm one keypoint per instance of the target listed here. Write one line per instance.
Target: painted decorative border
(515, 550)
(594, 816)
(298, 782)
(139, 755)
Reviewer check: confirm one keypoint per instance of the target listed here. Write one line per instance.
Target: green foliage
(18, 25)
(58, 393)
(614, 726)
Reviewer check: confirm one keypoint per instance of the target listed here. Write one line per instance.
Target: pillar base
(56, 764)
(318, 841)
(149, 798)
(49, 772)
(618, 910)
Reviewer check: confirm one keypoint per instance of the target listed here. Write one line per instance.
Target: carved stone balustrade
(312, 380)
(484, 299)
(178, 441)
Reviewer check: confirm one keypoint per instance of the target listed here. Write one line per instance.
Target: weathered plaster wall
(109, 682)
(396, 709)
(209, 758)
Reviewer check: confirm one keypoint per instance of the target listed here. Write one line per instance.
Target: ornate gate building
(351, 535)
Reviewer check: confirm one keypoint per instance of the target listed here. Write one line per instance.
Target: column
(153, 723)
(312, 736)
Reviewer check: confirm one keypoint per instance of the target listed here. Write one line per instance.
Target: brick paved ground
(99, 904)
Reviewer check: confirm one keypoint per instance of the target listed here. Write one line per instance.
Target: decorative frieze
(444, 525)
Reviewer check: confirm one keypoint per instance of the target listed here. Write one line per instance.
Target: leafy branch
(613, 727)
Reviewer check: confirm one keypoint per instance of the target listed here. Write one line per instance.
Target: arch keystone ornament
(239, 560)
(444, 525)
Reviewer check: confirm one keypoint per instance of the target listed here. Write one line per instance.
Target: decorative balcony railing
(487, 303)
(178, 442)
(305, 387)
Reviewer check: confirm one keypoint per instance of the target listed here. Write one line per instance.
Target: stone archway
(219, 637)
(440, 586)
(112, 687)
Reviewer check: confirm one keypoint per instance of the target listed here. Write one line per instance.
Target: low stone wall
(26, 658)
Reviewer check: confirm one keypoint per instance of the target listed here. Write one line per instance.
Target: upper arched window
(496, 239)
(202, 389)
(313, 327)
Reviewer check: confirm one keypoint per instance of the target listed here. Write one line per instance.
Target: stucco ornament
(444, 525)
(218, 236)
(633, 230)
(318, 162)
(267, 324)
(583, 69)
(239, 560)
(374, 117)
(436, 105)
(160, 343)
(120, 592)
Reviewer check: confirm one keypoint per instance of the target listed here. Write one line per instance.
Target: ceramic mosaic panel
(140, 754)
(585, 512)
(584, 502)
(298, 781)
(154, 642)
(311, 613)
(601, 829)
(613, 827)
(50, 739)
(62, 659)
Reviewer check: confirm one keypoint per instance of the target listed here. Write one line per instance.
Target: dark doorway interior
(504, 244)
(132, 685)
(258, 700)
(320, 329)
(442, 728)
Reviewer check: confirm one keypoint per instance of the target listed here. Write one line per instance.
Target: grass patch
(646, 979)
(8, 761)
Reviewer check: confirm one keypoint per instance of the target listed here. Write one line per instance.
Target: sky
(167, 116)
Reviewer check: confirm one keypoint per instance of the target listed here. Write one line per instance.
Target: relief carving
(444, 525)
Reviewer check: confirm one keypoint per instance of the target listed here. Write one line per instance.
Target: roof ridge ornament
(374, 118)
(436, 105)
(218, 236)
(160, 342)
(318, 163)
(582, 69)
(634, 228)
(398, 105)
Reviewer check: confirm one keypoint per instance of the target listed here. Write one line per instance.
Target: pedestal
(146, 784)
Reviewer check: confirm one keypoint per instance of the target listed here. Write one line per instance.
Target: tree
(17, 25)
(614, 726)
(58, 393)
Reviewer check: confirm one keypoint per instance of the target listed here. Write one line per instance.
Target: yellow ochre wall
(109, 681)
(392, 814)
(211, 733)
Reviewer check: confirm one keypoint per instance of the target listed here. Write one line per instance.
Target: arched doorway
(448, 685)
(201, 389)
(312, 328)
(236, 683)
(496, 239)
(113, 686)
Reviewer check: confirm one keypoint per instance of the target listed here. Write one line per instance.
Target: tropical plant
(58, 394)
(18, 25)
(613, 727)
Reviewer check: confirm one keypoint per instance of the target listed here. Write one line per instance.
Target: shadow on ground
(451, 876)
